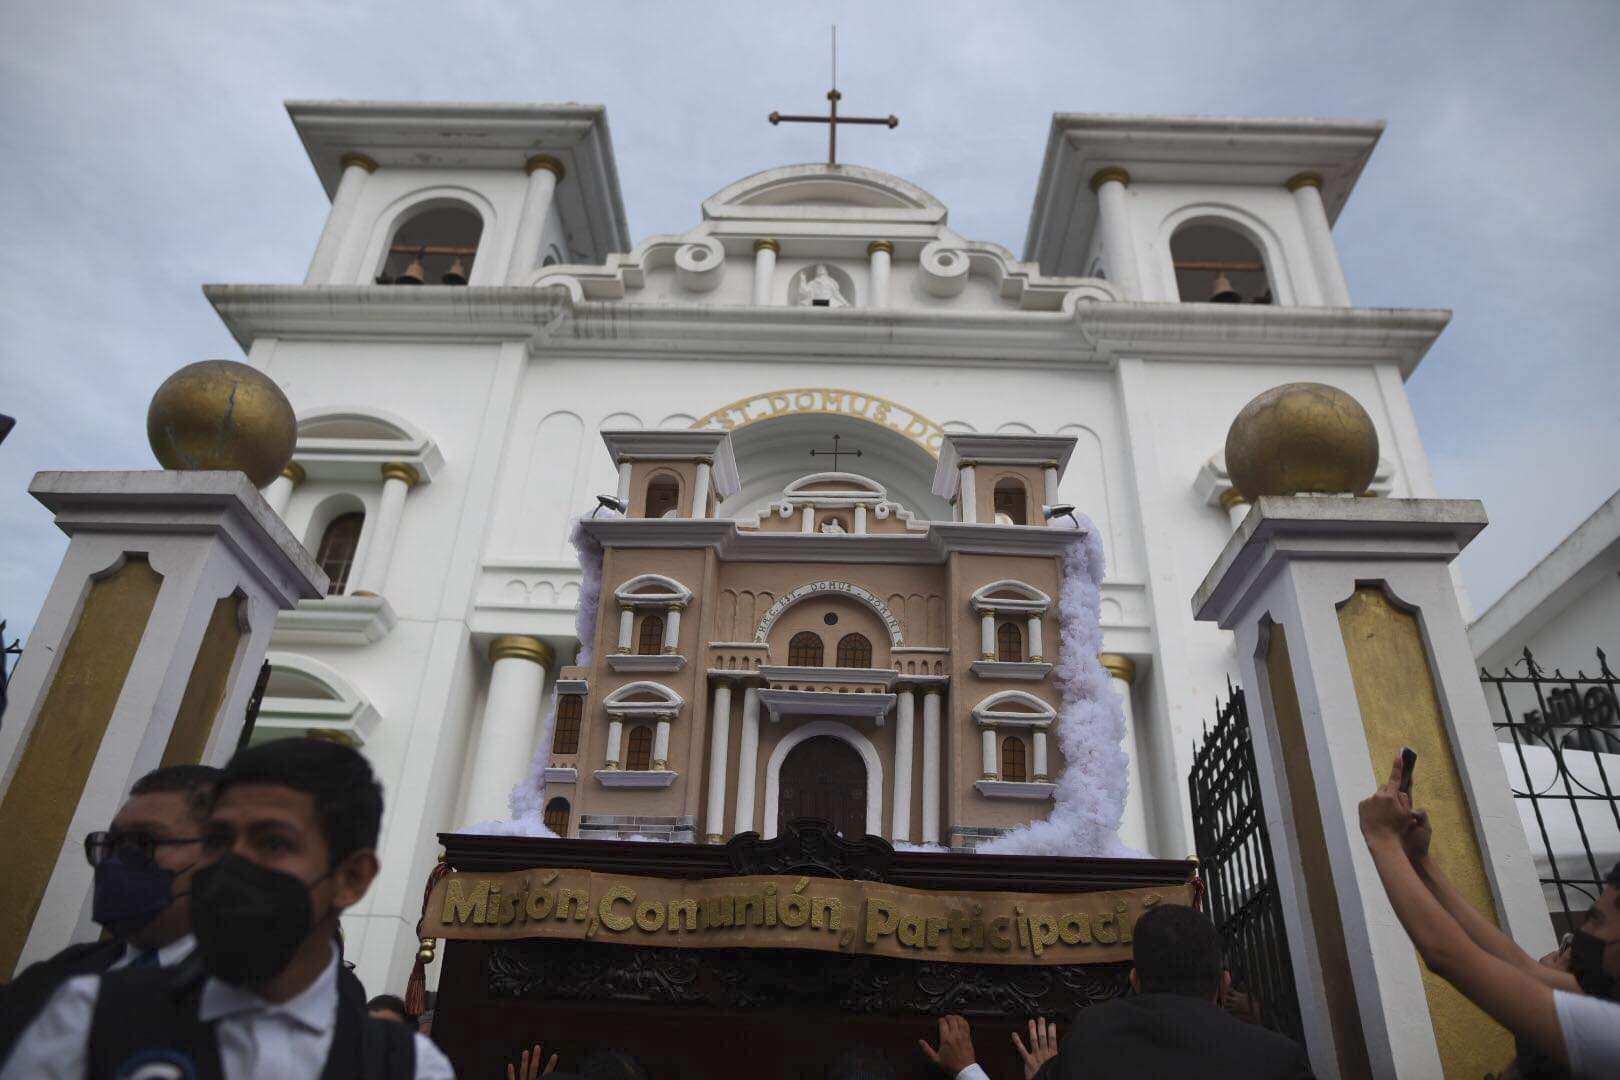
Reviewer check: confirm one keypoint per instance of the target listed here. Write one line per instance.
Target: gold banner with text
(792, 912)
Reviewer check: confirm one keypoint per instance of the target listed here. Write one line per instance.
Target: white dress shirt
(972, 1072)
(1591, 1027)
(265, 1040)
(167, 955)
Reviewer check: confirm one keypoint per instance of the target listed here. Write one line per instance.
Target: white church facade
(477, 314)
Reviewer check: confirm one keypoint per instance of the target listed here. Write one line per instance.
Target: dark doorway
(825, 778)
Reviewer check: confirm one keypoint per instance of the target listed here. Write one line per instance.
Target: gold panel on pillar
(1389, 666)
(208, 684)
(66, 736)
(1332, 956)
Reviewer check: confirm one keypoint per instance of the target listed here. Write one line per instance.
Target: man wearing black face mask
(290, 845)
(143, 865)
(1538, 1004)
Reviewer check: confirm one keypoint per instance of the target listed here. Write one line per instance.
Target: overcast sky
(145, 151)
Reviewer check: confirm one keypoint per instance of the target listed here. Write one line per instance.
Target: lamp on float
(610, 502)
(1057, 510)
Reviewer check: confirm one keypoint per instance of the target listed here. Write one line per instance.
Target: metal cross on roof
(835, 453)
(832, 119)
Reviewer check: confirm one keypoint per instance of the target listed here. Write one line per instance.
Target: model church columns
(880, 252)
(1133, 827)
(765, 252)
(512, 713)
(398, 480)
(719, 742)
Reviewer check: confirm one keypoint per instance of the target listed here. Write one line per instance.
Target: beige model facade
(831, 656)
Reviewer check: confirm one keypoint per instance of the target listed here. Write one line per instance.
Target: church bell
(1222, 292)
(414, 274)
(457, 274)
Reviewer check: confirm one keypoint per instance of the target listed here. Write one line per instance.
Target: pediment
(801, 192)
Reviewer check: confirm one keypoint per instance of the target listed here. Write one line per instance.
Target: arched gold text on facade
(823, 400)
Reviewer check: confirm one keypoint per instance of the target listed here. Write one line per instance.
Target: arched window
(1009, 643)
(1010, 502)
(854, 651)
(663, 496)
(1012, 759)
(639, 756)
(805, 650)
(556, 818)
(434, 247)
(565, 737)
(336, 553)
(1216, 264)
(651, 640)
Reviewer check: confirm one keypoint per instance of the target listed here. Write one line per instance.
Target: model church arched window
(565, 739)
(1217, 264)
(1010, 502)
(338, 546)
(663, 496)
(650, 642)
(556, 817)
(1012, 759)
(854, 650)
(639, 756)
(805, 650)
(435, 246)
(1009, 643)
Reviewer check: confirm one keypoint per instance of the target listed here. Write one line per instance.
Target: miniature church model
(832, 655)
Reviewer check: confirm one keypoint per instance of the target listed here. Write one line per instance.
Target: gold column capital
(879, 245)
(521, 647)
(546, 162)
(396, 470)
(1304, 180)
(1232, 497)
(1120, 667)
(1112, 172)
(767, 244)
(716, 838)
(354, 158)
(294, 472)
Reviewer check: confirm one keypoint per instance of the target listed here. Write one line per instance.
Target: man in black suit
(144, 864)
(1173, 1027)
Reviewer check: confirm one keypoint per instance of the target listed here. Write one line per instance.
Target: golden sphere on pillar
(218, 414)
(1302, 438)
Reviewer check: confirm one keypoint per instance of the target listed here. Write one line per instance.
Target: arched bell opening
(1216, 263)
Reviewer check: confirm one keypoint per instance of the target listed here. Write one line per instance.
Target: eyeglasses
(98, 846)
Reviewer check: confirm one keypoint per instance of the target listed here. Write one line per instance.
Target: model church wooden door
(825, 778)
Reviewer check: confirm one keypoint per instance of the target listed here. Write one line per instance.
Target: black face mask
(1586, 963)
(249, 919)
(130, 892)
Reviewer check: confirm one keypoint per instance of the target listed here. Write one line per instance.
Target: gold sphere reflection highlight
(219, 414)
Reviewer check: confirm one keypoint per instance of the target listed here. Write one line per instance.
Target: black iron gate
(1561, 728)
(1234, 851)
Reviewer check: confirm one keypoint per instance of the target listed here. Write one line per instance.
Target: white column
(905, 708)
(809, 519)
(1307, 189)
(281, 488)
(660, 758)
(967, 496)
(1041, 775)
(860, 520)
(747, 762)
(627, 626)
(615, 743)
(1119, 254)
(1036, 655)
(1050, 475)
(880, 251)
(672, 631)
(764, 270)
(624, 485)
(512, 710)
(719, 740)
(397, 480)
(1235, 505)
(992, 768)
(931, 777)
(544, 172)
(700, 491)
(1133, 828)
(356, 167)
(987, 636)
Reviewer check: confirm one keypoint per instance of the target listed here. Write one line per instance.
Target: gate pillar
(1349, 632)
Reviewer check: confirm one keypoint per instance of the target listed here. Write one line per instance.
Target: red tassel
(416, 985)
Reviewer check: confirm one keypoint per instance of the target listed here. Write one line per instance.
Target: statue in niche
(832, 527)
(820, 290)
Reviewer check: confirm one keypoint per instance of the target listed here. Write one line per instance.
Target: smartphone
(1408, 761)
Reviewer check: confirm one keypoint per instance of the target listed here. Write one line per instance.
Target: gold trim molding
(1232, 497)
(1112, 172)
(1304, 180)
(546, 162)
(1120, 667)
(294, 472)
(521, 647)
(767, 244)
(879, 245)
(827, 401)
(359, 159)
(397, 470)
